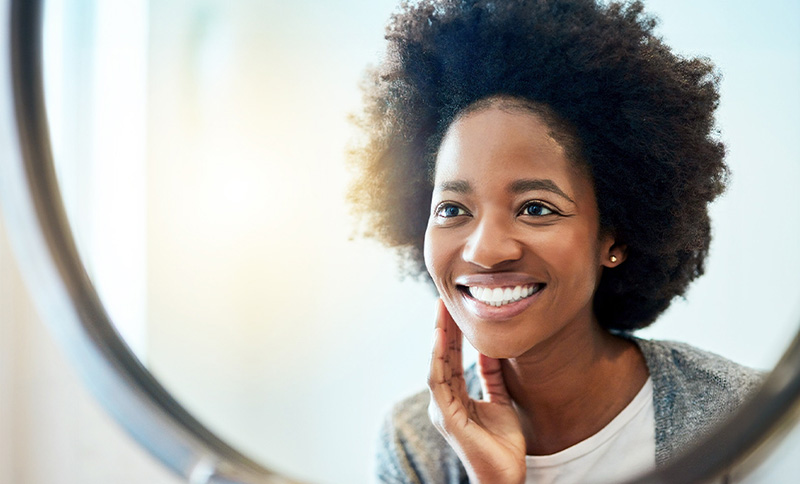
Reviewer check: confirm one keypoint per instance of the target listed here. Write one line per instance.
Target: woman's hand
(485, 434)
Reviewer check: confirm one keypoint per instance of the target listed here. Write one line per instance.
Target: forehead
(498, 144)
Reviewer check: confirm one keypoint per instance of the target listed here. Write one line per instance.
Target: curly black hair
(643, 117)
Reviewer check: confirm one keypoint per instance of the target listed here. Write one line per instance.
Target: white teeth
(500, 296)
(497, 295)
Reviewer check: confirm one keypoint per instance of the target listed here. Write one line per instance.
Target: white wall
(51, 430)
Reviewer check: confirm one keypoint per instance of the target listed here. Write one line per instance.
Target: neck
(569, 387)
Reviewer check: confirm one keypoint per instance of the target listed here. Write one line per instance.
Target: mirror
(205, 189)
(200, 155)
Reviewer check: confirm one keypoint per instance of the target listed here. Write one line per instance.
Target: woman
(549, 164)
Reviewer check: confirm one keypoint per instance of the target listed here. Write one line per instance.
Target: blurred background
(200, 147)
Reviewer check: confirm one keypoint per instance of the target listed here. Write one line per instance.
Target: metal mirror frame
(68, 303)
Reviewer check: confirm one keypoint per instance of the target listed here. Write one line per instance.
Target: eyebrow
(516, 187)
(530, 184)
(458, 186)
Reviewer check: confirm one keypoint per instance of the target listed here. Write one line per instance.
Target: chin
(499, 348)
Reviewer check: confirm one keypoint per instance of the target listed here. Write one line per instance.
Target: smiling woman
(568, 158)
(516, 228)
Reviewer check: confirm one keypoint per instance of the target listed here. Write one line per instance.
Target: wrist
(494, 479)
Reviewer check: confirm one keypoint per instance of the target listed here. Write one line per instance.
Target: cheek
(440, 252)
(430, 254)
(427, 251)
(577, 254)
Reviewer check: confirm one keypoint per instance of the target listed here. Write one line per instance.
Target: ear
(612, 253)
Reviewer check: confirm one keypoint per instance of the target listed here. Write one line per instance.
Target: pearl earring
(613, 258)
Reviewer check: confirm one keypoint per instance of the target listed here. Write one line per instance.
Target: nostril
(489, 252)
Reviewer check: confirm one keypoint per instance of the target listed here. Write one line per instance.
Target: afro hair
(642, 115)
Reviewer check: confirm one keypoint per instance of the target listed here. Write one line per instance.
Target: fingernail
(435, 344)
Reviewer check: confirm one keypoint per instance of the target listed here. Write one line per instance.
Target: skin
(509, 208)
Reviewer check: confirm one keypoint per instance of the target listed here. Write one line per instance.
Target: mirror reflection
(201, 150)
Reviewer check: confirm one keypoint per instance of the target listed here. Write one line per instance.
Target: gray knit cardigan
(693, 391)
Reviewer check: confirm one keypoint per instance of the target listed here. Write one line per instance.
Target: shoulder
(693, 392)
(682, 367)
(411, 450)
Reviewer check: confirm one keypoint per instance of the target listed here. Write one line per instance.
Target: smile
(501, 296)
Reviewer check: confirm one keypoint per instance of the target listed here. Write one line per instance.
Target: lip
(498, 313)
(496, 279)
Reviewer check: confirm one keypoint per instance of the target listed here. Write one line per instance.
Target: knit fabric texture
(693, 392)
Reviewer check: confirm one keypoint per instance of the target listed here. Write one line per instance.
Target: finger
(454, 340)
(443, 322)
(455, 358)
(439, 374)
(436, 372)
(448, 409)
(491, 374)
(445, 410)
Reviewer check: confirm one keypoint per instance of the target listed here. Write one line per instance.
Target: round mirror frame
(67, 301)
(43, 244)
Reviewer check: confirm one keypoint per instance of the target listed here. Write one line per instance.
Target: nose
(492, 243)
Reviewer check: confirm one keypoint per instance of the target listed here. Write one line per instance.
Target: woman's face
(513, 240)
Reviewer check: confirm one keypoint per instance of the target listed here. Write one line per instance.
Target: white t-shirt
(624, 448)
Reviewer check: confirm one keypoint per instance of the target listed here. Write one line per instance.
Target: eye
(536, 209)
(449, 210)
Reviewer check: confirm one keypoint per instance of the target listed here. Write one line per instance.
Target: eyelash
(439, 212)
(537, 203)
(443, 206)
